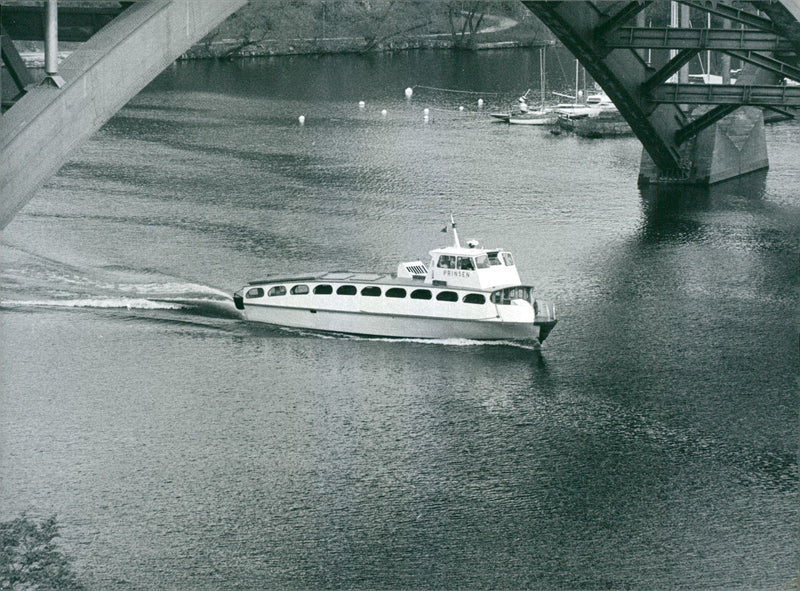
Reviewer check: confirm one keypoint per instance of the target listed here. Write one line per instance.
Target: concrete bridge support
(48, 123)
(734, 146)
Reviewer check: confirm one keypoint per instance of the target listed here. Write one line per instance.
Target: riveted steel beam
(734, 14)
(705, 120)
(785, 16)
(787, 113)
(622, 16)
(766, 62)
(13, 62)
(726, 94)
(676, 63)
(715, 39)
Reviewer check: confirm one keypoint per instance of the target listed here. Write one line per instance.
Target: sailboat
(541, 116)
(575, 109)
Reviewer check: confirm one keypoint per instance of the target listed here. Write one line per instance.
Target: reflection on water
(665, 203)
(649, 443)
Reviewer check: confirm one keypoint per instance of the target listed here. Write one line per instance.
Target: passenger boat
(466, 292)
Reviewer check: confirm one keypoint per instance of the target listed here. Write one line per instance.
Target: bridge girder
(595, 31)
(756, 95)
(714, 39)
(738, 15)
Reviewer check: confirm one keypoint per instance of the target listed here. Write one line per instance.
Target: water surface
(650, 444)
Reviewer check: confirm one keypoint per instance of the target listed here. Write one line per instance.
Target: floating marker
(480, 102)
(409, 92)
(361, 104)
(302, 119)
(461, 108)
(383, 112)
(426, 111)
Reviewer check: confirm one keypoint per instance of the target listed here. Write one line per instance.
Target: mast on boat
(542, 58)
(577, 83)
(456, 243)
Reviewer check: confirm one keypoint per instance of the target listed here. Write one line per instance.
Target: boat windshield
(446, 262)
(482, 261)
(465, 263)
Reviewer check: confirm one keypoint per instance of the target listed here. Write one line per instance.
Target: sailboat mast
(708, 53)
(541, 74)
(576, 80)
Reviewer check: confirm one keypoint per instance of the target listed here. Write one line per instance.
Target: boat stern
(238, 300)
(545, 318)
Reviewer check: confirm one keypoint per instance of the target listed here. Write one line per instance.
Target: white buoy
(361, 104)
(302, 119)
(480, 102)
(426, 111)
(383, 112)
(461, 108)
(409, 92)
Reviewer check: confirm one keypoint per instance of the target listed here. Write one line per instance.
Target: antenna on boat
(456, 243)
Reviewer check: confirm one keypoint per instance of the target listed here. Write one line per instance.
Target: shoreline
(232, 48)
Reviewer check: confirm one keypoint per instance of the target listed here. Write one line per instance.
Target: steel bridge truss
(611, 48)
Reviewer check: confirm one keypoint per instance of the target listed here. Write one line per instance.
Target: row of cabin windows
(369, 291)
(482, 261)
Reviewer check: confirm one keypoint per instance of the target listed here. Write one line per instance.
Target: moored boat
(523, 115)
(466, 292)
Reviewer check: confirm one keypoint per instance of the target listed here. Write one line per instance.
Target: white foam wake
(129, 303)
(174, 289)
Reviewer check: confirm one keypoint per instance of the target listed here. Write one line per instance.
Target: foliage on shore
(274, 27)
(30, 559)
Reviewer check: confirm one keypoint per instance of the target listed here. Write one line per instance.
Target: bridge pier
(734, 146)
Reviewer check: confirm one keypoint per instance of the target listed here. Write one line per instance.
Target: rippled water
(651, 443)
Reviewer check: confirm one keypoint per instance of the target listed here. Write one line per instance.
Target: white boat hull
(542, 120)
(392, 325)
(529, 118)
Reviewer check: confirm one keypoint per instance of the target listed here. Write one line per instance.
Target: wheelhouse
(474, 268)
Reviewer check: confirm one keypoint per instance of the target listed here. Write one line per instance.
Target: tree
(29, 558)
(465, 19)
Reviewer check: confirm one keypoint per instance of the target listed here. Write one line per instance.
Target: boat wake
(31, 281)
(128, 303)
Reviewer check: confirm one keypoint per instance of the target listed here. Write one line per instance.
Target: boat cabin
(473, 267)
